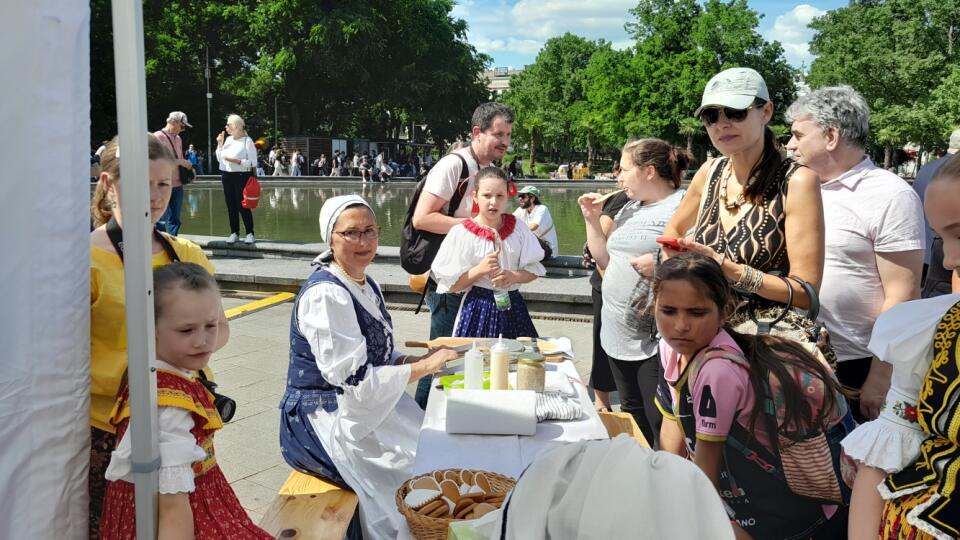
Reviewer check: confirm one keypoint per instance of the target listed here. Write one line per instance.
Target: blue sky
(513, 31)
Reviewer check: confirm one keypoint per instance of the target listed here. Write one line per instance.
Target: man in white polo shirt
(874, 233)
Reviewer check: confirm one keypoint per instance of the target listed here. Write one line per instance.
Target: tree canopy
(596, 97)
(903, 56)
(358, 68)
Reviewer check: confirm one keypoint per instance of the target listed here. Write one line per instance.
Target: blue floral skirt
(479, 316)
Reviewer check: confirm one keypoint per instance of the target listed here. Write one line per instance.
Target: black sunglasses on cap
(711, 115)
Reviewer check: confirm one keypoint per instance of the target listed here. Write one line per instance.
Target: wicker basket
(428, 528)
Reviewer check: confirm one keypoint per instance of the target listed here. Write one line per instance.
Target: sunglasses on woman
(711, 115)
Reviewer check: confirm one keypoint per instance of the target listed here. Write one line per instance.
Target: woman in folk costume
(910, 455)
(195, 499)
(490, 256)
(345, 417)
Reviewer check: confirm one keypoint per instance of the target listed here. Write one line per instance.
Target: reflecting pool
(289, 211)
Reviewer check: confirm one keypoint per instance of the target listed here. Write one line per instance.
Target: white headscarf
(329, 213)
(613, 489)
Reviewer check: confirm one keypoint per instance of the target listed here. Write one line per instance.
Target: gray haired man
(874, 233)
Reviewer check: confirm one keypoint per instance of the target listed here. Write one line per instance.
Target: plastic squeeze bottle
(473, 369)
(499, 365)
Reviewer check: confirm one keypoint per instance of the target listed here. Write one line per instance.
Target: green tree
(681, 44)
(361, 68)
(898, 54)
(548, 91)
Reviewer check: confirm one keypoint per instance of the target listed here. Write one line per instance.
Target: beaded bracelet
(750, 279)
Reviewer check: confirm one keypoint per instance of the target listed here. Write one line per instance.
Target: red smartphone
(671, 243)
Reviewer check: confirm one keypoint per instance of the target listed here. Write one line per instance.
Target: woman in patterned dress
(752, 210)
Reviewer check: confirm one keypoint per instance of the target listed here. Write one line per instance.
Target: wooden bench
(621, 422)
(307, 508)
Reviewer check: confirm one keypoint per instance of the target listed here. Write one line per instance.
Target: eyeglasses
(711, 115)
(355, 236)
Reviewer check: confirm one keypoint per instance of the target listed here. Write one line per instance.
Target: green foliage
(903, 56)
(358, 68)
(546, 96)
(649, 90)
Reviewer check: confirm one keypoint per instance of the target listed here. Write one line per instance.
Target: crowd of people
(835, 421)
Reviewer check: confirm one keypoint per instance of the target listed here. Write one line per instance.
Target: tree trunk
(916, 167)
(589, 154)
(887, 156)
(690, 145)
(533, 156)
(295, 119)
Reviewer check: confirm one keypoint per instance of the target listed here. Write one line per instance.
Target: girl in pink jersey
(758, 414)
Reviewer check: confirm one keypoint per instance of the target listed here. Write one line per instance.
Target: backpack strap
(115, 234)
(461, 191)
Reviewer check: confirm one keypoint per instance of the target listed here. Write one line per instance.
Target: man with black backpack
(448, 185)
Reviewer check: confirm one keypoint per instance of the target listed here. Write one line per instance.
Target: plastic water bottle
(473, 369)
(499, 365)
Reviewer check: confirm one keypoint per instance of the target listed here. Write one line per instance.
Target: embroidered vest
(938, 413)
(306, 387)
(175, 390)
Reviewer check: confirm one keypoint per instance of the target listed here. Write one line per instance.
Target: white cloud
(522, 27)
(792, 31)
(461, 9)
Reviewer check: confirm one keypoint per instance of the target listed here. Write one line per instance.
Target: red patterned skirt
(217, 513)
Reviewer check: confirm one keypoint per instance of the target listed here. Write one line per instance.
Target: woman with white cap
(345, 416)
(751, 210)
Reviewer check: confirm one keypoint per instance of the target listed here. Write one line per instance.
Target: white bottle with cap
(473, 369)
(499, 365)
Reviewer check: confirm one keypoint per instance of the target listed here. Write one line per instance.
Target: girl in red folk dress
(489, 256)
(195, 499)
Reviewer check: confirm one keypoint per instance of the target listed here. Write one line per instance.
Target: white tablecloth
(506, 454)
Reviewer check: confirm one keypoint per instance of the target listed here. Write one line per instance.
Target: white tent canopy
(45, 285)
(44, 315)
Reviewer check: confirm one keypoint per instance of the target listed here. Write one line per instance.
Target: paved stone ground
(251, 369)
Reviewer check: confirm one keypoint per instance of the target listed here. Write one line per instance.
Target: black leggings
(233, 184)
(600, 376)
(637, 382)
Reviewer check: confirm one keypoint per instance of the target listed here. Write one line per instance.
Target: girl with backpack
(489, 256)
(758, 414)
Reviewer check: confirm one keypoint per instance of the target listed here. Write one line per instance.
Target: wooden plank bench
(621, 422)
(307, 508)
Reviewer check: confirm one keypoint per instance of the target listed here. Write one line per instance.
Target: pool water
(289, 211)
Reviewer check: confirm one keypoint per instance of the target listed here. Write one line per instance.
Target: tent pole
(128, 52)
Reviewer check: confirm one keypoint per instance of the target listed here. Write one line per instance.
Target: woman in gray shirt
(651, 171)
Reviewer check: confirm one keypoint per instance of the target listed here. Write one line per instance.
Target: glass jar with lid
(531, 372)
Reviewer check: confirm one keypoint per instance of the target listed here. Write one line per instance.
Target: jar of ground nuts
(531, 373)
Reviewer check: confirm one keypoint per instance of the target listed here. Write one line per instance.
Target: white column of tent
(44, 264)
(138, 275)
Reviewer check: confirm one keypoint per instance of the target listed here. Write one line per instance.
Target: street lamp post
(276, 129)
(206, 73)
